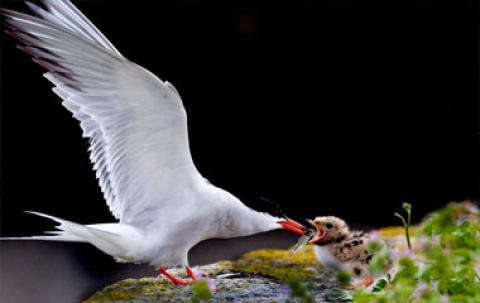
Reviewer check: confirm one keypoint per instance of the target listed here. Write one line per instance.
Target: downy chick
(340, 249)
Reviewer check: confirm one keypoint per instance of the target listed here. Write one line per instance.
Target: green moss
(278, 264)
(130, 289)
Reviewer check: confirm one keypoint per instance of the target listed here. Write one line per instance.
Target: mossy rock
(131, 289)
(278, 264)
(258, 276)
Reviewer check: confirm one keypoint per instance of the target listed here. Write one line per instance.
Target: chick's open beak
(319, 235)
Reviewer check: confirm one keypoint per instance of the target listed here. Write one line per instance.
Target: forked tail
(67, 231)
(112, 238)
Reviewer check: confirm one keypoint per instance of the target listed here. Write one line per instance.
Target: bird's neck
(235, 219)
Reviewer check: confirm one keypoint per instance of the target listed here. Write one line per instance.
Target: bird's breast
(327, 259)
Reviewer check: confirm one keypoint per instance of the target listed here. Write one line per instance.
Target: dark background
(325, 108)
(343, 108)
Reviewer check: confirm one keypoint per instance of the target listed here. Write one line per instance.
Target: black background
(340, 108)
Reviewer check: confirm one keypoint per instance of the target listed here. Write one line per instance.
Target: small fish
(302, 241)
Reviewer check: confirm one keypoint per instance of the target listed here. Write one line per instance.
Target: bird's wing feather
(65, 14)
(135, 122)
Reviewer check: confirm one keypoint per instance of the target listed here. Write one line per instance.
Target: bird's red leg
(293, 226)
(190, 273)
(172, 278)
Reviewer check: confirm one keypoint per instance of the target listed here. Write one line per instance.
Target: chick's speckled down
(338, 248)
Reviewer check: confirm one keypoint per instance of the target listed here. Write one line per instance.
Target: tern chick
(340, 249)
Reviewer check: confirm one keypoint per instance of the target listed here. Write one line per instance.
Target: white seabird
(137, 127)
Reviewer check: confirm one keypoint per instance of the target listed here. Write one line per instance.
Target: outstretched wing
(136, 123)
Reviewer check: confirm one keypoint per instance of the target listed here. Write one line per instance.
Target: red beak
(319, 235)
(293, 226)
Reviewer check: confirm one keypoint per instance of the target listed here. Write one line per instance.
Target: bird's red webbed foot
(174, 280)
(190, 274)
(293, 226)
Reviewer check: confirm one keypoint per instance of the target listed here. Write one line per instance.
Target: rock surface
(259, 276)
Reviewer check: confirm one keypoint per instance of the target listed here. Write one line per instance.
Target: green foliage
(441, 221)
(361, 295)
(200, 292)
(338, 295)
(381, 256)
(344, 278)
(466, 236)
(444, 268)
(301, 291)
(381, 284)
(374, 247)
(408, 271)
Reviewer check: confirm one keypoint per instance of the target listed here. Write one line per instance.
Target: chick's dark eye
(328, 225)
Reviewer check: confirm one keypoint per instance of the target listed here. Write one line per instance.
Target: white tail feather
(63, 234)
(111, 238)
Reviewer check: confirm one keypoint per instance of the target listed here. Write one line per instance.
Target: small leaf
(401, 218)
(201, 292)
(374, 246)
(380, 285)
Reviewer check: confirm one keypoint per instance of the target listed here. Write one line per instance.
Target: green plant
(406, 223)
(301, 291)
(381, 257)
(200, 292)
(445, 267)
(380, 285)
(343, 278)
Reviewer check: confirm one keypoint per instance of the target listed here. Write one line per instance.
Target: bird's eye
(328, 225)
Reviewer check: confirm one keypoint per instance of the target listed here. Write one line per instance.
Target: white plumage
(137, 127)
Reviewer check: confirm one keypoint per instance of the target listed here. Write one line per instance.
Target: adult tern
(137, 128)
